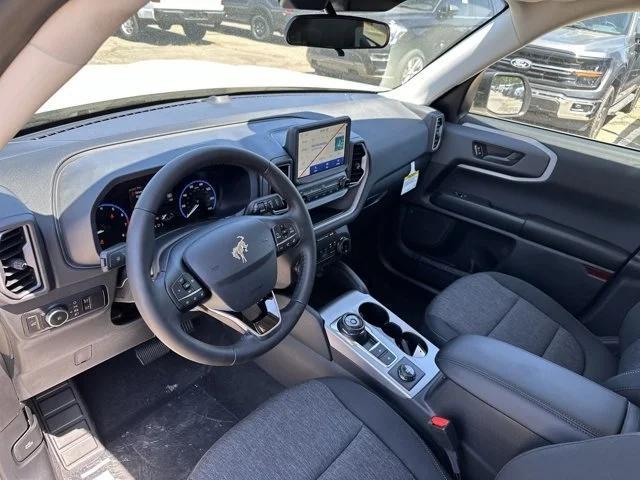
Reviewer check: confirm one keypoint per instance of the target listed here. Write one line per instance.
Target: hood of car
(581, 42)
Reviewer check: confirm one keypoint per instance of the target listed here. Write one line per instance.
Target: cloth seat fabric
(323, 429)
(508, 309)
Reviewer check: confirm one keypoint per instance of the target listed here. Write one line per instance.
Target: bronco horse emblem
(240, 249)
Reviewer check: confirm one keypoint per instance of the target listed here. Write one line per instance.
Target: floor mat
(156, 422)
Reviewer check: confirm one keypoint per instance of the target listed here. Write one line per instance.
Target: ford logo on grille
(521, 63)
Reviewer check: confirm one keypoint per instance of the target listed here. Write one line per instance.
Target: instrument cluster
(216, 192)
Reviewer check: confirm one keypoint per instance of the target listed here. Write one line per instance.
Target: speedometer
(197, 200)
(111, 224)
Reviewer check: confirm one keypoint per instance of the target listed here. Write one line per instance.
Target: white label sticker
(411, 180)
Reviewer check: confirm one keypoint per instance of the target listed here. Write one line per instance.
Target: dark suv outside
(582, 73)
(420, 31)
(263, 16)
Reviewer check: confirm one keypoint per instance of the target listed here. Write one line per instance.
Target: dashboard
(71, 190)
(209, 194)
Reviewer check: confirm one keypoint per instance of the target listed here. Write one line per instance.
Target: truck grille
(553, 68)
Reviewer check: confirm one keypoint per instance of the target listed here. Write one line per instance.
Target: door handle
(495, 154)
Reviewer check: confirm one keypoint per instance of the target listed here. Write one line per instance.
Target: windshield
(614, 24)
(172, 49)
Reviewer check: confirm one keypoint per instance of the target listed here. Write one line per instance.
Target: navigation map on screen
(321, 149)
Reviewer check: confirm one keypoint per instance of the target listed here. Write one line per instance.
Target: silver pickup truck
(582, 73)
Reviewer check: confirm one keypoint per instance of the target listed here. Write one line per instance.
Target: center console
(376, 343)
(503, 400)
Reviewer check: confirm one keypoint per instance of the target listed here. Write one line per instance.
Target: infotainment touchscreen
(321, 149)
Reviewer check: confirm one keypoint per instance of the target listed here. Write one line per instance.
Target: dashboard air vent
(286, 169)
(357, 163)
(437, 132)
(19, 274)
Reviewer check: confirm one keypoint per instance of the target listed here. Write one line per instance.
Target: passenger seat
(509, 309)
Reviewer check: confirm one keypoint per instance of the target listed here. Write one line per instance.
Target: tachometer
(197, 200)
(111, 224)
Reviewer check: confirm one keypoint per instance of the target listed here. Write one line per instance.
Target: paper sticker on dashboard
(411, 180)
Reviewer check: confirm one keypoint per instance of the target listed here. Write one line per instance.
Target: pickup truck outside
(195, 16)
(581, 74)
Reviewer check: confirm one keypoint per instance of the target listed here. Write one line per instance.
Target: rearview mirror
(341, 32)
(504, 94)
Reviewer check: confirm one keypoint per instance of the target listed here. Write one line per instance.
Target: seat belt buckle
(444, 434)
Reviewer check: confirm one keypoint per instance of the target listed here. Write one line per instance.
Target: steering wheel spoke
(260, 320)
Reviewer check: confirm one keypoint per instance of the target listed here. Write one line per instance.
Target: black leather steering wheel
(227, 268)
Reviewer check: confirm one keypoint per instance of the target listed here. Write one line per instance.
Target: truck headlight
(590, 74)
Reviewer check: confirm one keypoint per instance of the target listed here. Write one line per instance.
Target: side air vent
(19, 274)
(437, 133)
(357, 163)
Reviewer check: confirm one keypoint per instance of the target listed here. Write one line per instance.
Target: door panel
(562, 214)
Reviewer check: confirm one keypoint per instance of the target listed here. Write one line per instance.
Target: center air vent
(285, 168)
(357, 163)
(19, 274)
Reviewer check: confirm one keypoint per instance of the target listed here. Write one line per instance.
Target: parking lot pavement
(623, 129)
(229, 44)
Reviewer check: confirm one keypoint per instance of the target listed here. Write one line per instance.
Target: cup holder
(412, 344)
(373, 314)
(408, 342)
(392, 330)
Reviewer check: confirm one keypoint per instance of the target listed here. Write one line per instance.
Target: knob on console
(406, 373)
(56, 316)
(353, 327)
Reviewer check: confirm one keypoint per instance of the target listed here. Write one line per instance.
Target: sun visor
(342, 5)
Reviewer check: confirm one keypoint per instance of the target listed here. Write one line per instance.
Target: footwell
(155, 422)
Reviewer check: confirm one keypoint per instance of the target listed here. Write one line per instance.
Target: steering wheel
(226, 269)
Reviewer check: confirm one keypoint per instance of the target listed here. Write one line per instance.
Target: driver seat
(332, 429)
(323, 429)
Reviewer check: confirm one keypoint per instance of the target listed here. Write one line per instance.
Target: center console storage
(506, 401)
(373, 342)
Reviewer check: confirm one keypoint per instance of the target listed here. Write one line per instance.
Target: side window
(585, 80)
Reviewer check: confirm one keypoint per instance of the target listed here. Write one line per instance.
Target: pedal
(154, 349)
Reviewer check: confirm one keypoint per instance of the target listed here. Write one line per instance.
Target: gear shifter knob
(353, 327)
